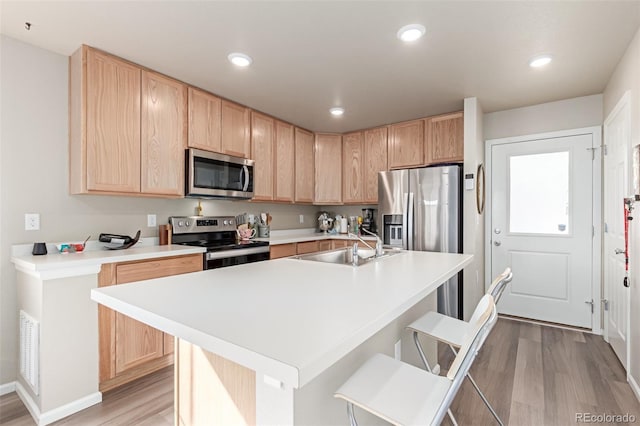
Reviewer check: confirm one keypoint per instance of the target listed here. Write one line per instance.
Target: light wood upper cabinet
(111, 111)
(205, 115)
(375, 160)
(164, 136)
(444, 139)
(406, 142)
(235, 130)
(304, 185)
(262, 141)
(352, 167)
(328, 169)
(284, 163)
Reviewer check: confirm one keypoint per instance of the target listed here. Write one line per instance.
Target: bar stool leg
(352, 416)
(484, 399)
(426, 365)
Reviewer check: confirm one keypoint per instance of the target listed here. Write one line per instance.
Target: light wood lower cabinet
(282, 250)
(307, 247)
(128, 348)
(336, 244)
(304, 247)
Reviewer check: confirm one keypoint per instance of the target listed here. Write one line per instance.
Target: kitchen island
(269, 342)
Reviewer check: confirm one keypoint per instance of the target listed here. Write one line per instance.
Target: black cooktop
(225, 245)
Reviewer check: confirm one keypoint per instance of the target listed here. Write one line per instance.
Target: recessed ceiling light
(411, 32)
(337, 111)
(540, 61)
(240, 59)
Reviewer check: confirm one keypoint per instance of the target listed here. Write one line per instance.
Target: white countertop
(59, 265)
(289, 319)
(301, 235)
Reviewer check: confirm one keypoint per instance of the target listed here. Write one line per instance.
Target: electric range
(218, 235)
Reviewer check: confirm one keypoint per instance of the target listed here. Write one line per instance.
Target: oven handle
(227, 254)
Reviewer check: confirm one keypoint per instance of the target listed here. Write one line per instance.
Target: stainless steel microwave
(213, 175)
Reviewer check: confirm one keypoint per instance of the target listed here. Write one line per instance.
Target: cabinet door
(304, 166)
(307, 247)
(328, 169)
(164, 138)
(262, 141)
(375, 160)
(324, 245)
(284, 163)
(204, 120)
(406, 144)
(235, 130)
(444, 142)
(352, 167)
(113, 124)
(282, 250)
(336, 244)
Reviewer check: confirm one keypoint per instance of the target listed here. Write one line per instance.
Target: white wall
(627, 77)
(473, 222)
(585, 111)
(34, 179)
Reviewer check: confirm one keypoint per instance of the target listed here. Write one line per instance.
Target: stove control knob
(187, 223)
(226, 222)
(181, 223)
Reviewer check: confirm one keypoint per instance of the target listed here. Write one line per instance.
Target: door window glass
(539, 193)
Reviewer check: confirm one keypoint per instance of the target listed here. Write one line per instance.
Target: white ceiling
(312, 55)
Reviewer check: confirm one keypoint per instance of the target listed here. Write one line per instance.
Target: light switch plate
(301, 218)
(151, 220)
(31, 221)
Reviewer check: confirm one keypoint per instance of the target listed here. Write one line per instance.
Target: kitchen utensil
(118, 242)
(39, 249)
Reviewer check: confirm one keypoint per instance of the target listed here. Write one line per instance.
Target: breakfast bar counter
(291, 330)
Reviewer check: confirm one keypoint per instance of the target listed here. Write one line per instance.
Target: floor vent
(29, 350)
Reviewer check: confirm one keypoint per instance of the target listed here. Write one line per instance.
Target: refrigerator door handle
(405, 221)
(410, 228)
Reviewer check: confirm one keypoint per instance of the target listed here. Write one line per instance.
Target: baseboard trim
(634, 387)
(7, 388)
(48, 417)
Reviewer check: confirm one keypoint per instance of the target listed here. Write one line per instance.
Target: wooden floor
(532, 374)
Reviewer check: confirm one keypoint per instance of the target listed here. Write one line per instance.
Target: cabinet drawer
(157, 268)
(324, 245)
(341, 243)
(282, 250)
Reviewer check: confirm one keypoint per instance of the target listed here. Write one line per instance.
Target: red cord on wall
(628, 206)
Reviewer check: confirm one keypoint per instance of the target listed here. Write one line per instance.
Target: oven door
(220, 259)
(212, 175)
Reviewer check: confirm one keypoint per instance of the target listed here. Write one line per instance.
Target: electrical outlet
(397, 350)
(151, 220)
(301, 218)
(31, 221)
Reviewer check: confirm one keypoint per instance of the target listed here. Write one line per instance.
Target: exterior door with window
(541, 226)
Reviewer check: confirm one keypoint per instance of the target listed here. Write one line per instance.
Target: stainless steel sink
(344, 256)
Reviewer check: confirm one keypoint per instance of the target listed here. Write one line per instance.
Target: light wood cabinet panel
(284, 163)
(205, 115)
(324, 245)
(406, 147)
(262, 141)
(235, 130)
(352, 167)
(328, 169)
(336, 244)
(375, 160)
(444, 138)
(112, 123)
(130, 349)
(164, 136)
(304, 166)
(307, 247)
(282, 250)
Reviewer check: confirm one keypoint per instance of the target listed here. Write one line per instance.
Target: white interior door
(542, 227)
(616, 187)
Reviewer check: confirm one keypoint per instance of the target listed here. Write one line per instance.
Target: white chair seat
(443, 328)
(395, 391)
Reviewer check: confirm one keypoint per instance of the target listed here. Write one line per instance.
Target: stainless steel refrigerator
(420, 209)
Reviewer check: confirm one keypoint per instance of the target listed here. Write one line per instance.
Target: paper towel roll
(343, 225)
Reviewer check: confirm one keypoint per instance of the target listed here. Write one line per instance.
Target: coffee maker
(368, 220)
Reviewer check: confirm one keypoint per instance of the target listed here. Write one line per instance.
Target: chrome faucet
(378, 242)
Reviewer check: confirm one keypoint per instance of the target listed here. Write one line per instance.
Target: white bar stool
(452, 331)
(406, 395)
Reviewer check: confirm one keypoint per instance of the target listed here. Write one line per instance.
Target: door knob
(619, 251)
(496, 243)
